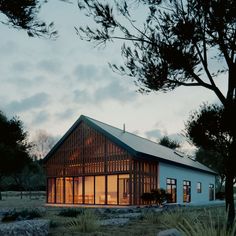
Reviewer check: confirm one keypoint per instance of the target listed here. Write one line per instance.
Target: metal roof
(139, 147)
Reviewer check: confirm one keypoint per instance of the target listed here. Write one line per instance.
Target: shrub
(159, 196)
(86, 222)
(21, 215)
(10, 216)
(71, 212)
(147, 198)
(220, 195)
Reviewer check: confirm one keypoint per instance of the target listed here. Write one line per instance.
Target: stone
(25, 228)
(169, 232)
(114, 221)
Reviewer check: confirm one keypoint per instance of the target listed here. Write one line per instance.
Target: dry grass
(149, 224)
(12, 200)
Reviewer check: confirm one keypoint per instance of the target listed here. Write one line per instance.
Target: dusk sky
(50, 83)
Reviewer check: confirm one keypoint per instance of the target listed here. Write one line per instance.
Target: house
(95, 163)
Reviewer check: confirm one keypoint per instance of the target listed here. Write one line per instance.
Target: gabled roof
(137, 146)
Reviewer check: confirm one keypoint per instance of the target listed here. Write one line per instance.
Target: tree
(166, 141)
(208, 130)
(180, 43)
(24, 15)
(215, 161)
(42, 144)
(13, 147)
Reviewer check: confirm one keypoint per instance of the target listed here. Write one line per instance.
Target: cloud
(36, 101)
(156, 133)
(21, 66)
(114, 91)
(86, 72)
(50, 66)
(9, 48)
(82, 96)
(66, 114)
(40, 118)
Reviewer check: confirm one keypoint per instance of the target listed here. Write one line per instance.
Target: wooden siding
(86, 152)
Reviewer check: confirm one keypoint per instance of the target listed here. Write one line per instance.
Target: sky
(48, 84)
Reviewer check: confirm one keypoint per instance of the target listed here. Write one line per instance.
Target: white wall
(181, 174)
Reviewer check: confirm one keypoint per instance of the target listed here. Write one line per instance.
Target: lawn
(142, 221)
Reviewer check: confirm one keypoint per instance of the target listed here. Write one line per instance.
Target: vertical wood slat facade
(87, 154)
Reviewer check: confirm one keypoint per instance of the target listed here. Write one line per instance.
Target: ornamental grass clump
(151, 217)
(86, 222)
(71, 212)
(210, 224)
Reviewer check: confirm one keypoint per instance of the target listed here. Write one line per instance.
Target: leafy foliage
(211, 129)
(179, 43)
(166, 141)
(13, 147)
(23, 15)
(206, 129)
(172, 46)
(159, 196)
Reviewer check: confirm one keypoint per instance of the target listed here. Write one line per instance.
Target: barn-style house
(95, 163)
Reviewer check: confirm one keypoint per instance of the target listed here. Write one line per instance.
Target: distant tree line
(18, 171)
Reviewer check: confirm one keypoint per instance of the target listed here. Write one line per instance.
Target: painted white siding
(181, 174)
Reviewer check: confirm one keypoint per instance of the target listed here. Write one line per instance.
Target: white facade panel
(181, 174)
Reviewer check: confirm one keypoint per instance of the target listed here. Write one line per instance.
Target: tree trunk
(1, 188)
(229, 190)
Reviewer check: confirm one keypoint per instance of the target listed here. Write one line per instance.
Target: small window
(199, 187)
(211, 192)
(186, 191)
(171, 189)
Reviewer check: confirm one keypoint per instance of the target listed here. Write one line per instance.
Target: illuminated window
(112, 189)
(100, 190)
(89, 190)
(171, 189)
(59, 190)
(123, 189)
(51, 190)
(186, 191)
(78, 188)
(199, 187)
(68, 190)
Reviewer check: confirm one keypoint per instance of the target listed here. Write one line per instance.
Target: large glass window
(100, 190)
(78, 189)
(186, 191)
(68, 190)
(89, 190)
(59, 190)
(51, 190)
(171, 189)
(124, 189)
(211, 192)
(112, 189)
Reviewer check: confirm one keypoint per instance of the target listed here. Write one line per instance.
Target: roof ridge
(133, 134)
